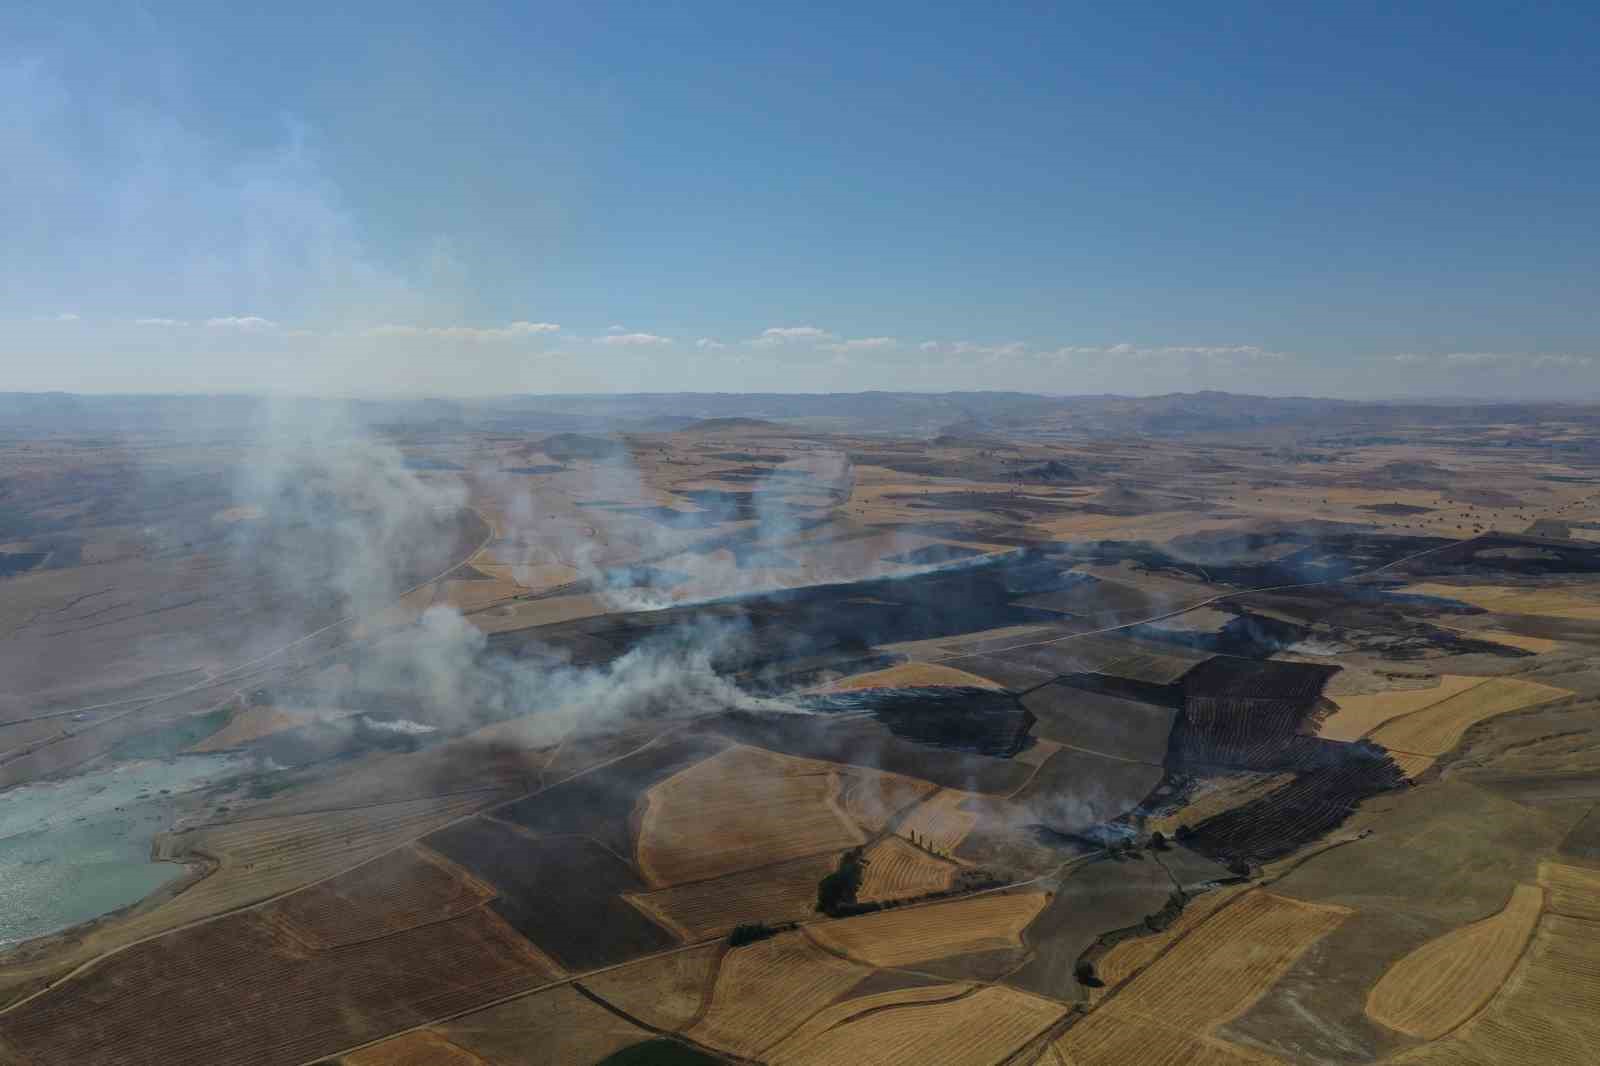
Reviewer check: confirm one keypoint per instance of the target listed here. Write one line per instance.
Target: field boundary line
(1436, 703)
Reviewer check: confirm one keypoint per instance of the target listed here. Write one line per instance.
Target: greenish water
(76, 849)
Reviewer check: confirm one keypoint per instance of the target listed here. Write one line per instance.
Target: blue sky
(476, 198)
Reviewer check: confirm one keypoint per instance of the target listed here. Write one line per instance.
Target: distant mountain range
(899, 413)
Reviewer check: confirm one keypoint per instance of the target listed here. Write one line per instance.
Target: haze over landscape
(679, 535)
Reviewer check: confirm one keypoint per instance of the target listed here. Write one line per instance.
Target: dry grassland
(871, 798)
(1216, 796)
(1537, 645)
(665, 991)
(1128, 957)
(421, 1048)
(1571, 890)
(1413, 766)
(785, 892)
(973, 1030)
(1447, 980)
(467, 595)
(911, 675)
(741, 808)
(1359, 715)
(1164, 1015)
(1436, 729)
(939, 822)
(1551, 603)
(910, 935)
(764, 990)
(896, 870)
(1544, 1016)
(558, 1025)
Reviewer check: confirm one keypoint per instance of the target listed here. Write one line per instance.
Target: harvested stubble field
(939, 823)
(783, 892)
(268, 998)
(1360, 714)
(742, 808)
(558, 1025)
(1127, 957)
(1435, 729)
(911, 675)
(402, 890)
(897, 870)
(1503, 599)
(1544, 1015)
(853, 1007)
(564, 893)
(764, 990)
(1165, 1014)
(909, 935)
(421, 1048)
(873, 799)
(1571, 890)
(666, 991)
(967, 1030)
(1434, 989)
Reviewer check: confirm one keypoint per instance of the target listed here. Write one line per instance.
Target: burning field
(752, 745)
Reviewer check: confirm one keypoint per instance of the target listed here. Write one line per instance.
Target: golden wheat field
(739, 809)
(939, 823)
(1551, 603)
(786, 892)
(971, 1030)
(1165, 1014)
(1435, 729)
(1127, 957)
(909, 935)
(897, 870)
(1544, 1016)
(1444, 982)
(1571, 890)
(911, 675)
(1360, 714)
(766, 989)
(854, 1007)
(666, 991)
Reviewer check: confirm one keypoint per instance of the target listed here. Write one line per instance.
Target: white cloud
(929, 346)
(786, 334)
(633, 339)
(1225, 353)
(159, 322)
(1502, 360)
(241, 322)
(468, 333)
(710, 344)
(66, 316)
(862, 344)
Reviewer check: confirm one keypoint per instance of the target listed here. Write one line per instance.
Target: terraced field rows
(741, 808)
(1163, 1017)
(896, 870)
(910, 935)
(974, 1030)
(1438, 728)
(1448, 979)
(764, 990)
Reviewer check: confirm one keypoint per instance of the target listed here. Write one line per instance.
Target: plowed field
(408, 888)
(785, 892)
